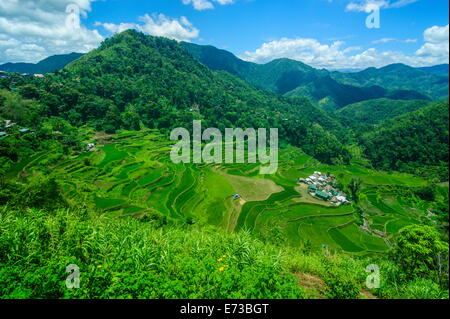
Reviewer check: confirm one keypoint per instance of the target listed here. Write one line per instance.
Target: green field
(133, 175)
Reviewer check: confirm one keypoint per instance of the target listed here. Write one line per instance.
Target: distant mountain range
(331, 90)
(50, 64)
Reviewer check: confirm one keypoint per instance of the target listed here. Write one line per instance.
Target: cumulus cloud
(206, 4)
(336, 56)
(159, 25)
(34, 29)
(436, 43)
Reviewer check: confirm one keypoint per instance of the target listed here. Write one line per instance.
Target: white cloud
(34, 29)
(436, 43)
(387, 40)
(206, 4)
(384, 40)
(159, 25)
(335, 56)
(369, 5)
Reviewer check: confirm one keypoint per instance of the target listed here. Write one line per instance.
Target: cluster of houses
(90, 147)
(6, 126)
(324, 187)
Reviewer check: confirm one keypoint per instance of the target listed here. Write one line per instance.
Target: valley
(132, 175)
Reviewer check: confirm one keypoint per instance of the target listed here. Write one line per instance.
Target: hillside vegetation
(413, 140)
(134, 79)
(330, 90)
(399, 77)
(131, 258)
(368, 113)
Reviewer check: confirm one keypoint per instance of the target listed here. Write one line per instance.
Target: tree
(354, 187)
(5, 164)
(419, 252)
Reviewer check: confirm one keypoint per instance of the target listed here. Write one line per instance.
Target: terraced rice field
(133, 175)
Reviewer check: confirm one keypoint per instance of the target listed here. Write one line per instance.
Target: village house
(8, 124)
(90, 147)
(323, 186)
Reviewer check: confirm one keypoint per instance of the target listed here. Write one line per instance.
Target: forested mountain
(375, 111)
(50, 64)
(441, 69)
(133, 79)
(293, 78)
(398, 77)
(412, 141)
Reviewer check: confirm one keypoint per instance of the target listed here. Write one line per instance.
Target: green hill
(375, 111)
(441, 69)
(411, 141)
(293, 79)
(133, 78)
(398, 77)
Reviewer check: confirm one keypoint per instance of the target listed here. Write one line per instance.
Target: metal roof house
(322, 195)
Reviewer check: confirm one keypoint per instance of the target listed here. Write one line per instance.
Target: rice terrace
(130, 174)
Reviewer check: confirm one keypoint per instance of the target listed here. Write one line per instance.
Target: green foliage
(16, 109)
(134, 79)
(39, 192)
(362, 116)
(127, 258)
(354, 187)
(427, 193)
(420, 252)
(410, 141)
(340, 287)
(421, 288)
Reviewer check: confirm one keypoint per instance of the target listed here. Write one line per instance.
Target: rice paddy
(132, 174)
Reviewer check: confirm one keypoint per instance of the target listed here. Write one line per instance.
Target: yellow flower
(221, 268)
(99, 266)
(219, 260)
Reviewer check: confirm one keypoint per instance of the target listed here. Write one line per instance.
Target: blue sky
(323, 33)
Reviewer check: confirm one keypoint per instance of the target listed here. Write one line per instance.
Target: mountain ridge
(331, 90)
(47, 65)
